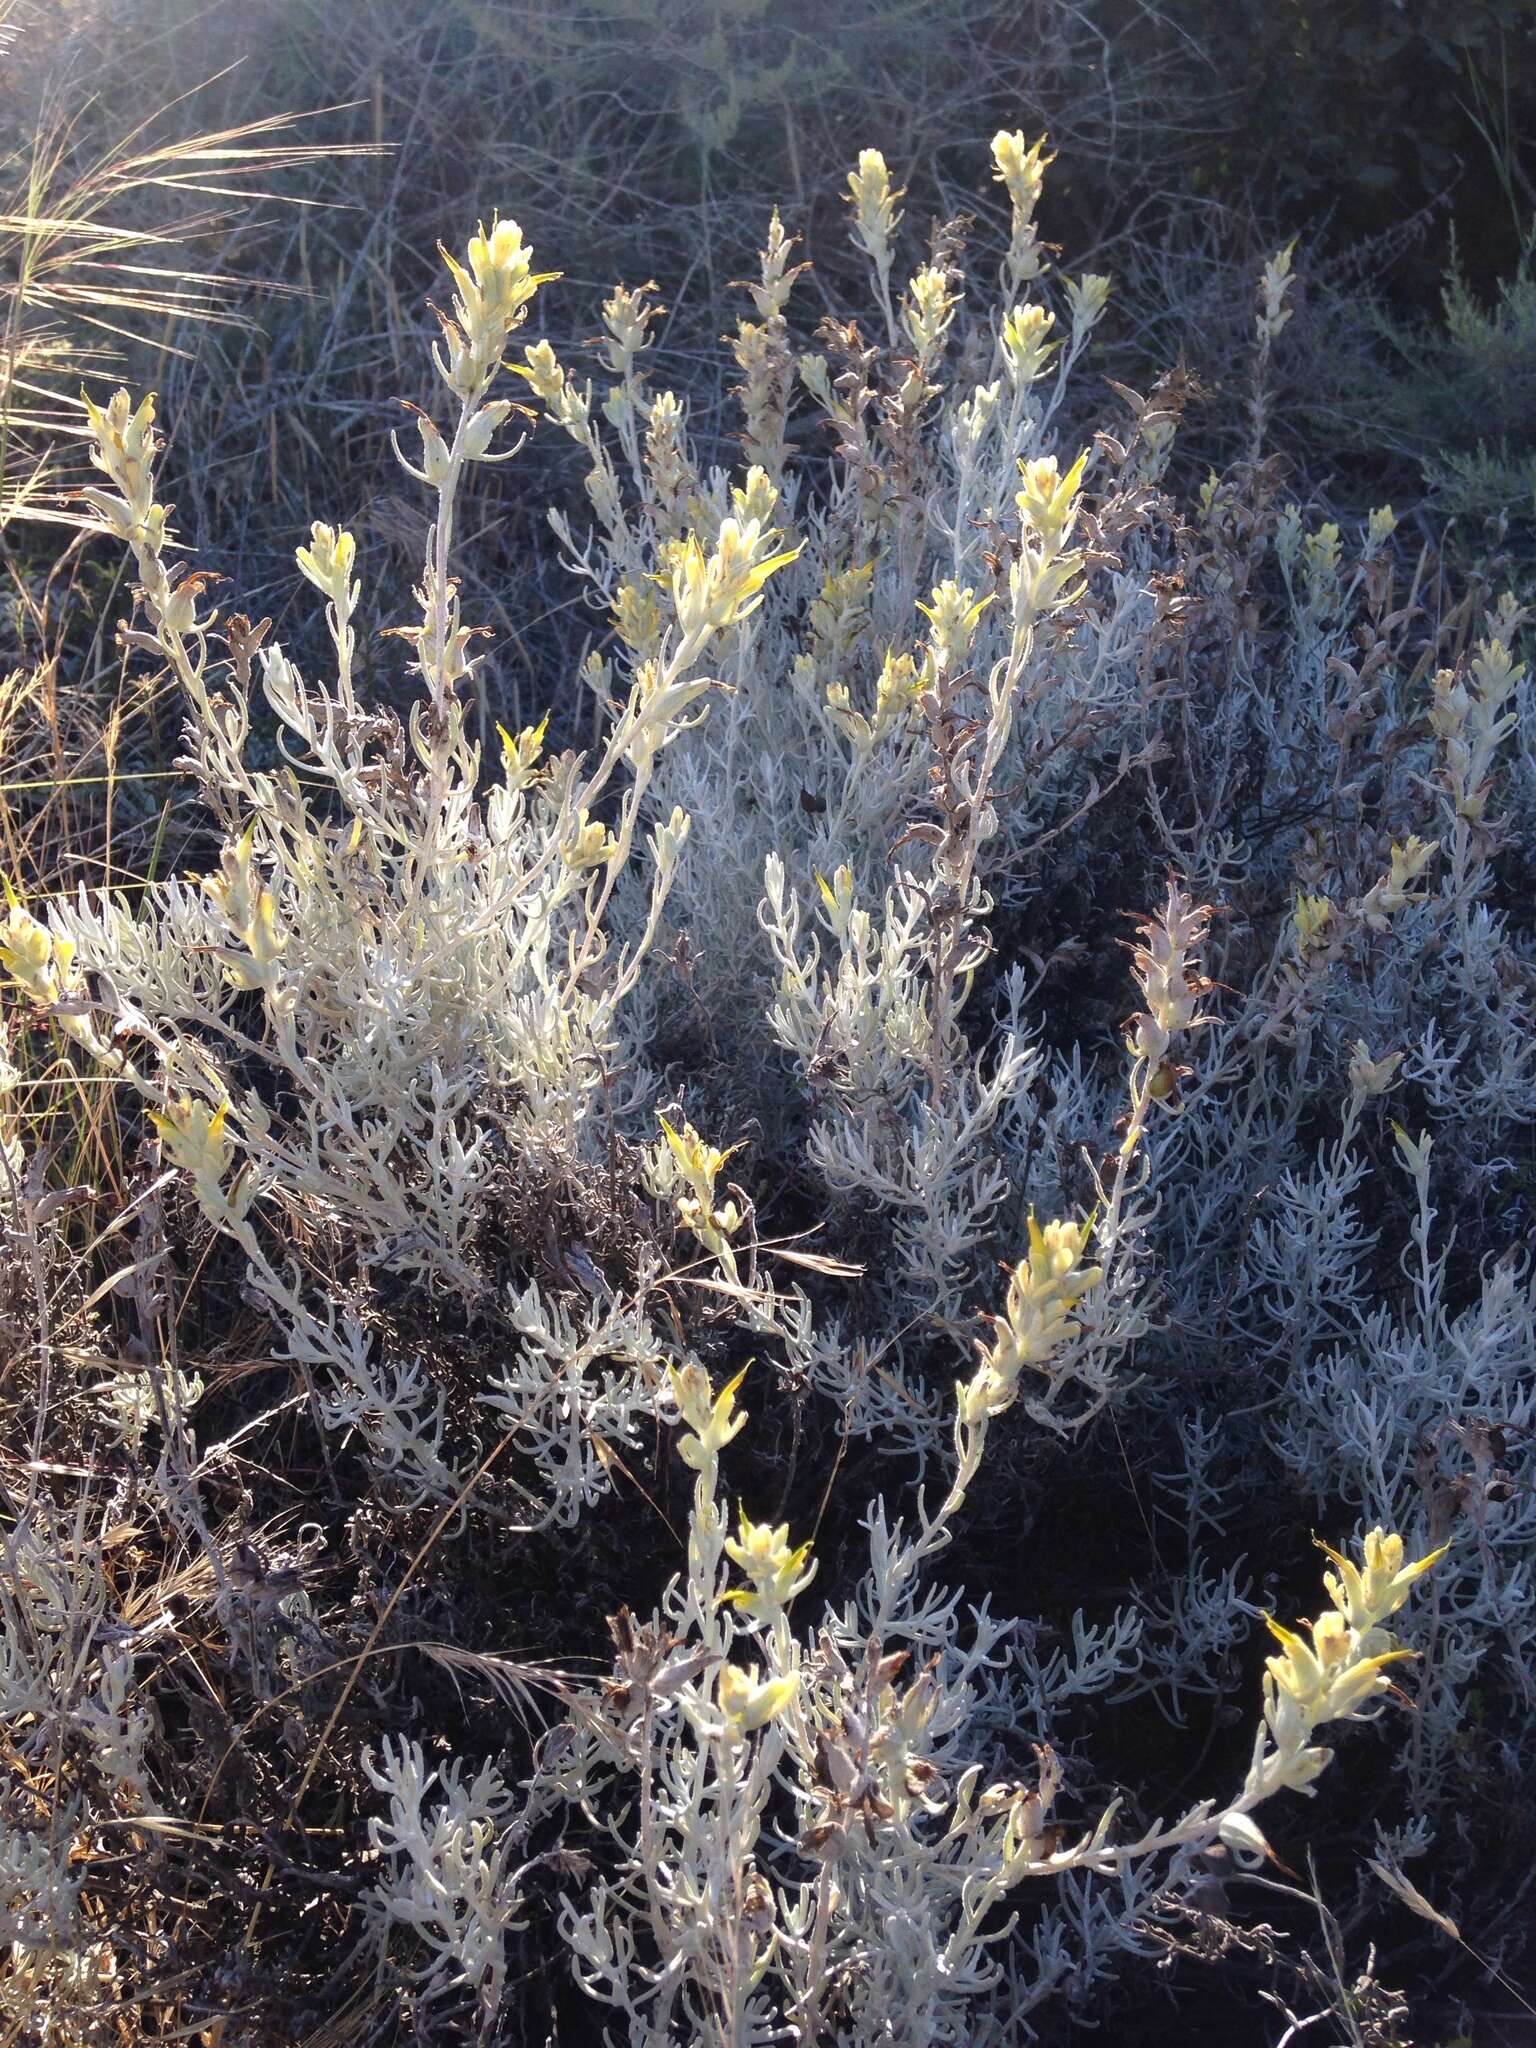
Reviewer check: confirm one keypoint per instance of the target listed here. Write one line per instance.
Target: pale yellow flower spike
(1367, 1595)
(711, 1424)
(1311, 917)
(36, 960)
(249, 908)
(1326, 1679)
(1043, 1290)
(876, 216)
(328, 563)
(193, 1136)
(746, 1703)
(777, 1572)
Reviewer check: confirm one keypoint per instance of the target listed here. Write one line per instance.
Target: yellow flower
(1043, 1289)
(1372, 1077)
(194, 1138)
(953, 614)
(1395, 891)
(328, 563)
(711, 1424)
(712, 1226)
(589, 845)
(520, 751)
(1274, 291)
(697, 1160)
(667, 841)
(1382, 526)
(637, 618)
(711, 592)
(249, 907)
(1019, 167)
(1367, 1594)
(1410, 861)
(1329, 1677)
(541, 367)
(838, 898)
(775, 1570)
(897, 688)
(683, 1169)
(1088, 296)
(1166, 964)
(125, 450)
(757, 498)
(929, 308)
(747, 1703)
(494, 291)
(499, 282)
(1320, 556)
(1341, 1668)
(1415, 1151)
(34, 957)
(1047, 502)
(1311, 919)
(875, 216)
(1027, 346)
(839, 614)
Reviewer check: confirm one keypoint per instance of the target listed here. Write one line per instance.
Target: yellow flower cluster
(1274, 294)
(746, 1702)
(1369, 1076)
(1045, 574)
(36, 959)
(494, 288)
(1470, 721)
(249, 907)
(897, 688)
(1321, 553)
(1311, 919)
(1171, 983)
(627, 315)
(328, 563)
(1027, 344)
(1037, 1319)
(710, 1419)
(777, 1572)
(125, 448)
(686, 1166)
(1087, 296)
(839, 613)
(1395, 891)
(953, 616)
(875, 213)
(590, 845)
(1328, 1678)
(720, 589)
(1020, 168)
(194, 1137)
(1048, 500)
(521, 752)
(541, 366)
(1379, 529)
(928, 310)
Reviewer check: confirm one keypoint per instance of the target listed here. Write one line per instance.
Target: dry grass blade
(95, 253)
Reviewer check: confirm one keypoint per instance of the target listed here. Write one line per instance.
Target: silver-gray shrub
(527, 1104)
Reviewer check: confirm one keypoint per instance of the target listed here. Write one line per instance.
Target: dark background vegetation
(650, 138)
